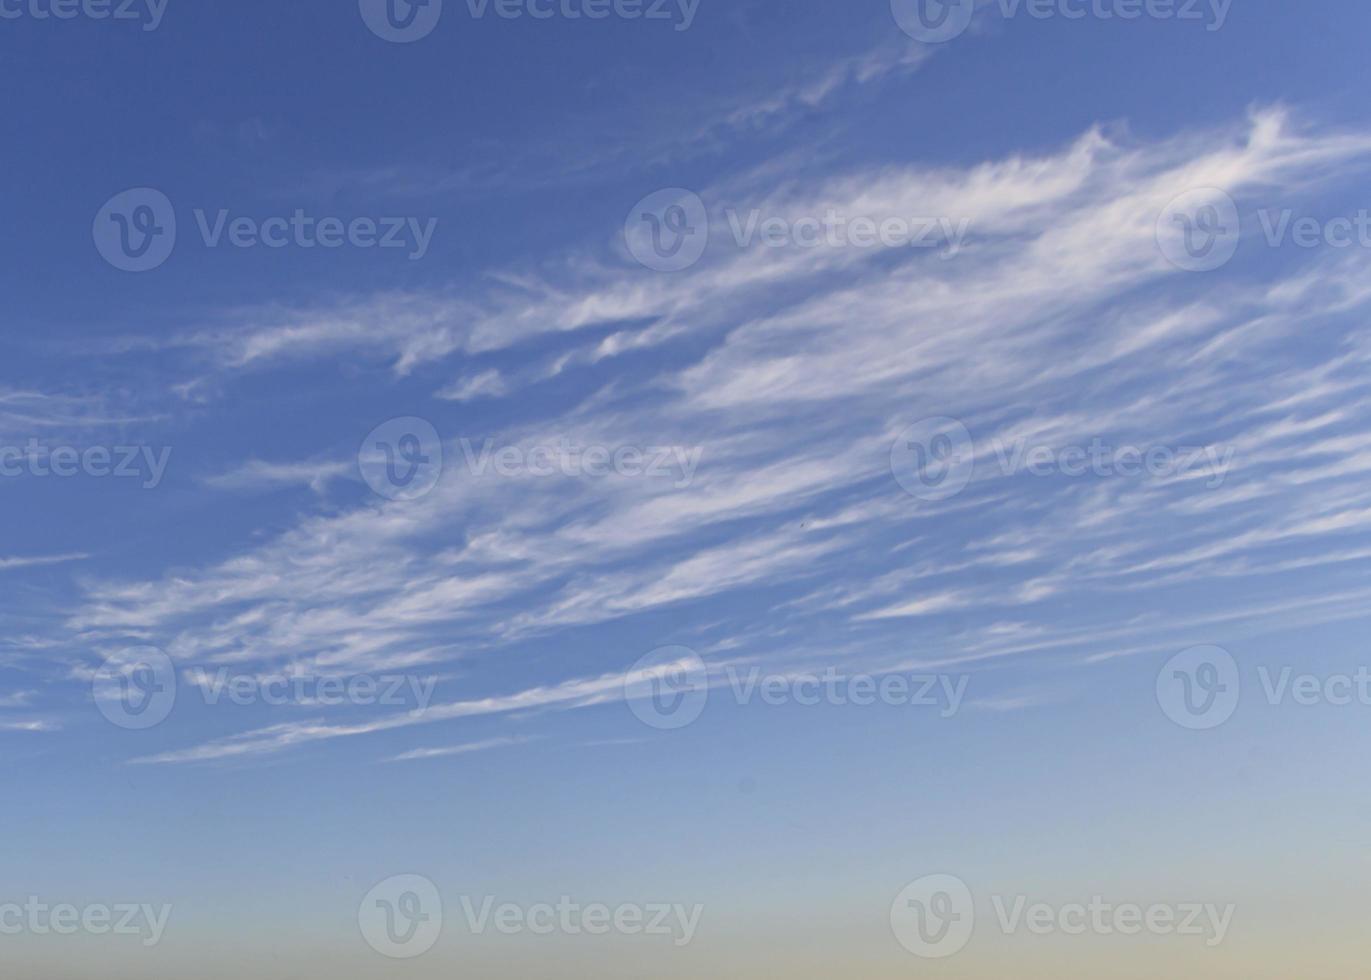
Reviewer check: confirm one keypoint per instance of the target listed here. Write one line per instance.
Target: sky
(671, 487)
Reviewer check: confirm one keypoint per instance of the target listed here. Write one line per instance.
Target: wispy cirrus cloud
(258, 474)
(1058, 322)
(29, 727)
(38, 561)
(467, 748)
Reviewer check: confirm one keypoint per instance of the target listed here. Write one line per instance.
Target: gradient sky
(795, 378)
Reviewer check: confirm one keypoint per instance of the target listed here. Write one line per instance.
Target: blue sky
(919, 382)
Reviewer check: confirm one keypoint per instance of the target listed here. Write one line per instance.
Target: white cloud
(259, 475)
(1058, 322)
(467, 748)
